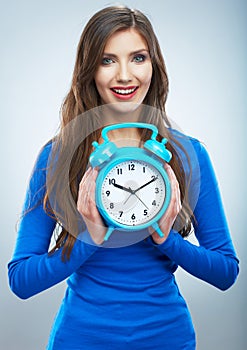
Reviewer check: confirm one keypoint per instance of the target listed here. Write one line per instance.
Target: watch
(132, 186)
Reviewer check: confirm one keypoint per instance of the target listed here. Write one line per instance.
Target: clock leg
(155, 226)
(108, 233)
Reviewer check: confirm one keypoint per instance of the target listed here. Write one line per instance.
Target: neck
(125, 137)
(122, 113)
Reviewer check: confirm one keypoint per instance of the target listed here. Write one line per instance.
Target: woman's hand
(87, 207)
(167, 220)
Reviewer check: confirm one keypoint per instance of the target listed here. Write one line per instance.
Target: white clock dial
(133, 192)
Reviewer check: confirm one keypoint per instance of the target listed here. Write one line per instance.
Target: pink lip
(127, 96)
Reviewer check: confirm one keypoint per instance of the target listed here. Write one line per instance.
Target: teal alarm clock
(132, 187)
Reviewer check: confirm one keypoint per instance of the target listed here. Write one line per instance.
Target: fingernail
(88, 170)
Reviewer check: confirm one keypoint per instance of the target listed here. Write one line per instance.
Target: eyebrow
(131, 53)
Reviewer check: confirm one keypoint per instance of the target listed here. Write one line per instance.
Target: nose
(124, 74)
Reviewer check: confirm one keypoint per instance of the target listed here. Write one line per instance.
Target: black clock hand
(149, 182)
(124, 188)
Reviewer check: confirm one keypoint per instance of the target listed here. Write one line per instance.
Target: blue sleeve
(32, 269)
(214, 260)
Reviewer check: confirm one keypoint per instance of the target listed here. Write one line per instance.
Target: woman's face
(125, 72)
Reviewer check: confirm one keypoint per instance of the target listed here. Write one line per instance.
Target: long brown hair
(83, 96)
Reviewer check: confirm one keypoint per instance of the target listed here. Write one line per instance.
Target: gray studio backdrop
(204, 44)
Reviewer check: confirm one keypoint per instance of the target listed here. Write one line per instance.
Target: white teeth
(125, 91)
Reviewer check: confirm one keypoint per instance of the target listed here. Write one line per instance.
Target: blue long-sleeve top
(115, 276)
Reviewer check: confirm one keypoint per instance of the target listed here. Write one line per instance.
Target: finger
(90, 182)
(88, 194)
(175, 201)
(85, 177)
(81, 201)
(175, 194)
(86, 181)
(82, 192)
(89, 188)
(93, 183)
(170, 172)
(172, 177)
(87, 173)
(92, 206)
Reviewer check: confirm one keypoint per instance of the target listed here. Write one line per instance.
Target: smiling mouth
(124, 91)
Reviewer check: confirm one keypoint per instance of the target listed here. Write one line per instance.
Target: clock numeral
(108, 193)
(154, 202)
(119, 171)
(156, 190)
(120, 213)
(144, 169)
(131, 166)
(145, 212)
(112, 181)
(111, 205)
(133, 216)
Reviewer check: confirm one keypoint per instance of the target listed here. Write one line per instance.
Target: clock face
(133, 192)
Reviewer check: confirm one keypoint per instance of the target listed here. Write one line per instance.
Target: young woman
(125, 296)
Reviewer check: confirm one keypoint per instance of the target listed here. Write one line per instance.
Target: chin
(123, 109)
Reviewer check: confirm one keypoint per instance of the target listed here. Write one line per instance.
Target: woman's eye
(139, 58)
(106, 61)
